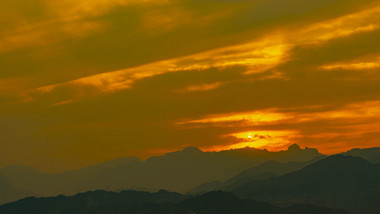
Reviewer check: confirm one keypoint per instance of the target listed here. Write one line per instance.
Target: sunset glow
(87, 81)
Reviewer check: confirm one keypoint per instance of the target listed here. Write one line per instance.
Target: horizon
(179, 151)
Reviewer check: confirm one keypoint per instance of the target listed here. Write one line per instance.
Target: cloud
(257, 56)
(362, 110)
(203, 87)
(359, 65)
(349, 121)
(267, 139)
(251, 118)
(60, 20)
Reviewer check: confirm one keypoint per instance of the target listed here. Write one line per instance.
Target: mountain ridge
(162, 202)
(339, 181)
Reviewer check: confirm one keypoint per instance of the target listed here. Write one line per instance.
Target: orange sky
(87, 81)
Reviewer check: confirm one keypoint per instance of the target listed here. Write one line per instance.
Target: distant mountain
(370, 154)
(263, 171)
(177, 171)
(341, 182)
(162, 202)
(9, 193)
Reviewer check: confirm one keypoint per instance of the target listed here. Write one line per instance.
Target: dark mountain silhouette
(177, 171)
(162, 202)
(263, 171)
(341, 182)
(370, 154)
(93, 202)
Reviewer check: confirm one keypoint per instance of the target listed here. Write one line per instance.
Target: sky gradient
(85, 81)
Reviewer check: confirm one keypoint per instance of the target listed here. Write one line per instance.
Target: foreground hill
(341, 182)
(101, 202)
(177, 171)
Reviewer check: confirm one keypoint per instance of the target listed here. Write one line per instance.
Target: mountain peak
(294, 147)
(191, 149)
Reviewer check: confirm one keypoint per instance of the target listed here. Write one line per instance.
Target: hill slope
(342, 182)
(370, 154)
(9, 193)
(101, 202)
(263, 171)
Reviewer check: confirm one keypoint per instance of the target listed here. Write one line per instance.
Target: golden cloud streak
(370, 109)
(253, 118)
(253, 54)
(203, 87)
(366, 116)
(257, 56)
(359, 22)
(358, 65)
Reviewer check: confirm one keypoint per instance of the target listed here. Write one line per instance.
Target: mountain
(263, 171)
(176, 171)
(93, 202)
(370, 154)
(340, 182)
(162, 202)
(9, 193)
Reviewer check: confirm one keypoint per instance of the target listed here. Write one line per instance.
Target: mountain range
(286, 181)
(177, 171)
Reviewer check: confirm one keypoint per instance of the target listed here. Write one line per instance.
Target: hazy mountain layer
(261, 172)
(9, 193)
(176, 171)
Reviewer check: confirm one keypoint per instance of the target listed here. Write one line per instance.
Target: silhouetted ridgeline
(371, 154)
(341, 182)
(132, 202)
(261, 172)
(177, 171)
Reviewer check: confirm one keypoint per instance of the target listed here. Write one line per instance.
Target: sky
(86, 81)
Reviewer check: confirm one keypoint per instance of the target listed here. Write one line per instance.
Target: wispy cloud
(370, 109)
(64, 19)
(358, 118)
(356, 65)
(203, 87)
(257, 56)
(252, 118)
